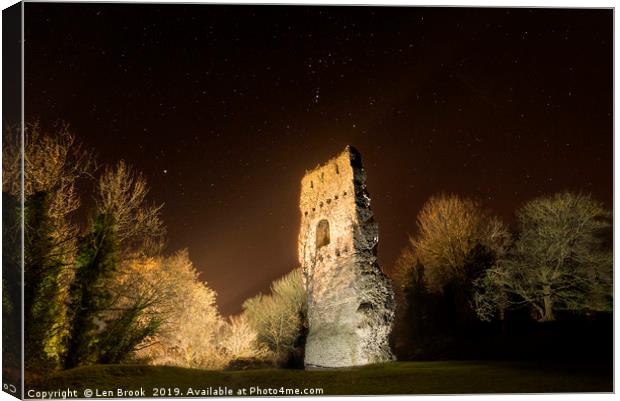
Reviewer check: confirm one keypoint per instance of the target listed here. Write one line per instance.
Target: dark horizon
(224, 108)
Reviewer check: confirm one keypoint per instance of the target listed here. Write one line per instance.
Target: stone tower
(350, 300)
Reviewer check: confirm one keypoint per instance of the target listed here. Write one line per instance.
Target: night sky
(223, 108)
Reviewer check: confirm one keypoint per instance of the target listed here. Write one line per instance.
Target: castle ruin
(350, 300)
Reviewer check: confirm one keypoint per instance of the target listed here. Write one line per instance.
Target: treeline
(469, 286)
(103, 290)
(98, 286)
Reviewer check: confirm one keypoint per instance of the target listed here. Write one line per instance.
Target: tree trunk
(502, 320)
(548, 305)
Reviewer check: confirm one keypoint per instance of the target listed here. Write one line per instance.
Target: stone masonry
(350, 300)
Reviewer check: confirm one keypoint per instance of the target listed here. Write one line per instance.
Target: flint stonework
(350, 300)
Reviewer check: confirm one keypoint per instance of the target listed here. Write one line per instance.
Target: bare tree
(53, 163)
(449, 228)
(241, 340)
(559, 260)
(122, 192)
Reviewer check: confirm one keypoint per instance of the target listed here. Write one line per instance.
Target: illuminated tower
(350, 300)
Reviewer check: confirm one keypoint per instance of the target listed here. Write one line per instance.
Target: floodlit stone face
(350, 300)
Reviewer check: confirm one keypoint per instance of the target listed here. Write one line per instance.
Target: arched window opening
(322, 234)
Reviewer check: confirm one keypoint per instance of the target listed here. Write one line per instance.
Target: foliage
(90, 297)
(53, 162)
(124, 333)
(128, 315)
(191, 331)
(279, 318)
(560, 260)
(456, 242)
(11, 288)
(44, 314)
(109, 294)
(137, 306)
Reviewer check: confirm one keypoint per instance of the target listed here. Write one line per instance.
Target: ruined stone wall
(350, 301)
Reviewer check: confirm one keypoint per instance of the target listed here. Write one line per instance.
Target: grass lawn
(391, 378)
